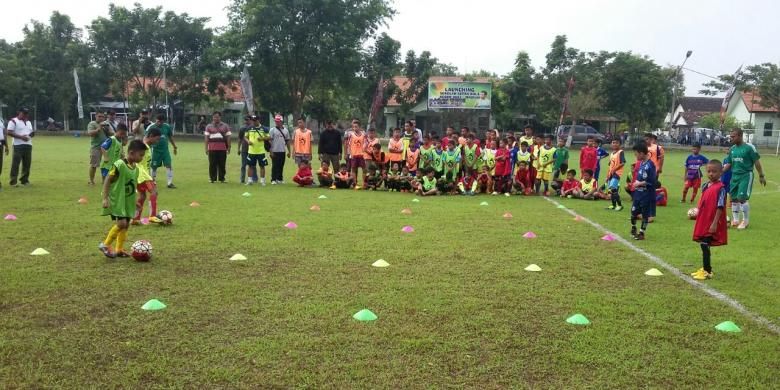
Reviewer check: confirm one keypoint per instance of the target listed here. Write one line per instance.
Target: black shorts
(644, 207)
(115, 218)
(256, 159)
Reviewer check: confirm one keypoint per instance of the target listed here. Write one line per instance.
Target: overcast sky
(487, 34)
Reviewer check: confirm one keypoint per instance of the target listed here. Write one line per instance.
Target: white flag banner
(79, 106)
(246, 89)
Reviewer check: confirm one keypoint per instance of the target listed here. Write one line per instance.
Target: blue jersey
(693, 166)
(726, 177)
(647, 174)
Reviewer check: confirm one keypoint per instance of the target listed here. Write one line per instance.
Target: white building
(747, 107)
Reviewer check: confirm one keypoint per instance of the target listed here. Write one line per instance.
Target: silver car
(581, 133)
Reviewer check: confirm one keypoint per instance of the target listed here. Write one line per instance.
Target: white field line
(686, 278)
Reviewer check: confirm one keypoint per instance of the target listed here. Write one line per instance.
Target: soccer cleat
(640, 236)
(122, 254)
(135, 222)
(249, 182)
(633, 231)
(273, 182)
(734, 224)
(704, 275)
(699, 271)
(610, 208)
(506, 194)
(682, 200)
(743, 225)
(153, 219)
(171, 186)
(106, 251)
(494, 193)
(333, 187)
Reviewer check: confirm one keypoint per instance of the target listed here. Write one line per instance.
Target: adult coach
(98, 131)
(140, 125)
(280, 141)
(743, 157)
(21, 130)
(161, 154)
(217, 138)
(330, 146)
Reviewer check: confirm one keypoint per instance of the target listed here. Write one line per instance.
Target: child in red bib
(711, 229)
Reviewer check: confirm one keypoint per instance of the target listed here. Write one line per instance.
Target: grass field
(456, 308)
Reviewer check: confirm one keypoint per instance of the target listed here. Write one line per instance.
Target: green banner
(463, 95)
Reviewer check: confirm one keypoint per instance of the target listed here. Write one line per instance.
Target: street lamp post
(674, 87)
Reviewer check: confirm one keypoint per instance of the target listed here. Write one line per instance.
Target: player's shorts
(256, 159)
(614, 182)
(693, 183)
(120, 218)
(644, 207)
(543, 175)
(301, 157)
(161, 160)
(741, 187)
(95, 157)
(357, 162)
(104, 172)
(147, 186)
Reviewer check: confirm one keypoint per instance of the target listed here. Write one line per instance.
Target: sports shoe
(153, 219)
(743, 225)
(135, 222)
(610, 208)
(273, 182)
(682, 200)
(106, 251)
(619, 208)
(734, 224)
(704, 275)
(494, 193)
(333, 187)
(122, 254)
(640, 236)
(699, 271)
(506, 194)
(249, 182)
(633, 231)
(171, 186)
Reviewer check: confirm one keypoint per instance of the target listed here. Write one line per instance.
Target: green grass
(455, 307)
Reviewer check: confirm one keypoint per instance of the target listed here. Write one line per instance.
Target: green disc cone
(483, 204)
(381, 264)
(728, 326)
(39, 252)
(153, 305)
(533, 268)
(415, 200)
(560, 206)
(578, 319)
(653, 272)
(246, 194)
(322, 197)
(365, 315)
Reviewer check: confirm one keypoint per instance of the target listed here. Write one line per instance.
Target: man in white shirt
(4, 146)
(21, 130)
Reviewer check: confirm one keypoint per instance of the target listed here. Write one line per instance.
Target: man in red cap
(280, 143)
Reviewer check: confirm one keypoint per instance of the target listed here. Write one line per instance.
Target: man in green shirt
(743, 158)
(161, 156)
(99, 131)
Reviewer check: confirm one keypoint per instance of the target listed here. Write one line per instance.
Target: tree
(519, 85)
(419, 70)
(296, 46)
(712, 121)
(637, 89)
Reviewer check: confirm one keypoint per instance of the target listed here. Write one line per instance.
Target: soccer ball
(141, 250)
(166, 217)
(693, 213)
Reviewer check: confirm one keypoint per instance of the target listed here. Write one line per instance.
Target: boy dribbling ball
(711, 228)
(119, 192)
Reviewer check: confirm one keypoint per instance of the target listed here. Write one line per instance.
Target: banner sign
(246, 90)
(79, 106)
(463, 95)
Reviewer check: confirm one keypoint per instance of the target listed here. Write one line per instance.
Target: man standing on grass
(21, 130)
(140, 125)
(280, 142)
(330, 145)
(98, 130)
(742, 159)
(217, 143)
(4, 147)
(161, 155)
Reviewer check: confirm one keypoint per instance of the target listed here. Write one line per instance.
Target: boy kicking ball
(119, 191)
(711, 228)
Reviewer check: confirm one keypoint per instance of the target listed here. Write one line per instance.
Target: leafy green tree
(636, 88)
(419, 70)
(519, 86)
(712, 121)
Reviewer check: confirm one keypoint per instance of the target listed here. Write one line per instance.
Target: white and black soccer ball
(693, 213)
(166, 217)
(141, 250)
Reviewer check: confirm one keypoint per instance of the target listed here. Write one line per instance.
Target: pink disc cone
(608, 237)
(406, 212)
(10, 217)
(314, 208)
(507, 215)
(144, 221)
(529, 235)
(83, 201)
(578, 218)
(291, 225)
(407, 229)
(194, 204)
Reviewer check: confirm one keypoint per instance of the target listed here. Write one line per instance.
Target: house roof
(752, 101)
(403, 83)
(691, 117)
(232, 90)
(701, 104)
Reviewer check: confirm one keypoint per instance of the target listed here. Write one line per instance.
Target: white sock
(154, 174)
(746, 211)
(262, 180)
(170, 175)
(735, 210)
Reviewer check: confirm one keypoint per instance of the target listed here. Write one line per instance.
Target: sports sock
(120, 239)
(546, 186)
(736, 208)
(644, 224)
(616, 194)
(111, 235)
(139, 204)
(154, 173)
(537, 186)
(746, 212)
(614, 200)
(705, 256)
(633, 220)
(153, 204)
(170, 176)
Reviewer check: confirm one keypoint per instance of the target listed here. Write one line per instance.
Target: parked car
(581, 133)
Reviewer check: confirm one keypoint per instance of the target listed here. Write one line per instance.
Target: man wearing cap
(98, 131)
(21, 130)
(280, 142)
(140, 125)
(217, 137)
(242, 145)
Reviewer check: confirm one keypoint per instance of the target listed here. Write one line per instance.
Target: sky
(488, 34)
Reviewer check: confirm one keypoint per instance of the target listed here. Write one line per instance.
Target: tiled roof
(753, 103)
(701, 104)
